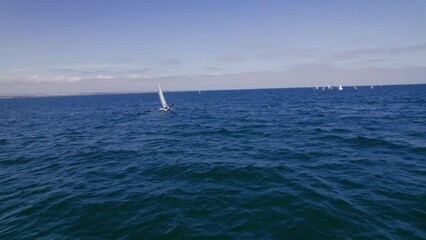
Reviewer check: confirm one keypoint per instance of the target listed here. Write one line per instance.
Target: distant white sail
(340, 88)
(162, 99)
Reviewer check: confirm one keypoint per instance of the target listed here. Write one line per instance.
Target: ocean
(239, 164)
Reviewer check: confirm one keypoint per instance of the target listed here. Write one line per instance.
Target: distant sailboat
(372, 87)
(316, 87)
(199, 92)
(340, 88)
(355, 88)
(323, 88)
(328, 87)
(164, 105)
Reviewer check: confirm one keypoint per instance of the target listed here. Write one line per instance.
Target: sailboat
(340, 88)
(164, 105)
(355, 88)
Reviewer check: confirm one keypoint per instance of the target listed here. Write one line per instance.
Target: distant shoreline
(41, 95)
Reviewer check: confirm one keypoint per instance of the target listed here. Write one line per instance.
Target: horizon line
(42, 95)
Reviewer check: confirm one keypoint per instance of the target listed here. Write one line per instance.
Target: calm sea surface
(254, 164)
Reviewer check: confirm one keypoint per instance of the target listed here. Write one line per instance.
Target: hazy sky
(76, 46)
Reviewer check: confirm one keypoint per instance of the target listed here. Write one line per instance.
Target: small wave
(146, 112)
(13, 161)
(328, 137)
(100, 155)
(320, 130)
(372, 142)
(221, 132)
(288, 154)
(421, 150)
(340, 130)
(330, 166)
(309, 169)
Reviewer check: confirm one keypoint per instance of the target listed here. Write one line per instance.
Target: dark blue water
(255, 164)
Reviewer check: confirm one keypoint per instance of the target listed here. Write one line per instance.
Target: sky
(88, 46)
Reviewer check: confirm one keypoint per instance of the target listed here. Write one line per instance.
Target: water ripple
(260, 164)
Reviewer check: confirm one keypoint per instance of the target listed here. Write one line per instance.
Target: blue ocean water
(247, 164)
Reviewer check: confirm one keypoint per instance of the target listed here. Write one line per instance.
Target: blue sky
(77, 46)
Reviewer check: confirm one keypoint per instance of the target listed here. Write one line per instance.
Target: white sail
(340, 88)
(162, 99)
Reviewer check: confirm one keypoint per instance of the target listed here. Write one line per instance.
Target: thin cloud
(16, 70)
(52, 79)
(369, 52)
(289, 53)
(78, 71)
(213, 69)
(100, 66)
(230, 58)
(137, 71)
(170, 62)
(313, 66)
(136, 76)
(215, 74)
(103, 77)
(303, 75)
(63, 70)
(94, 72)
(354, 42)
